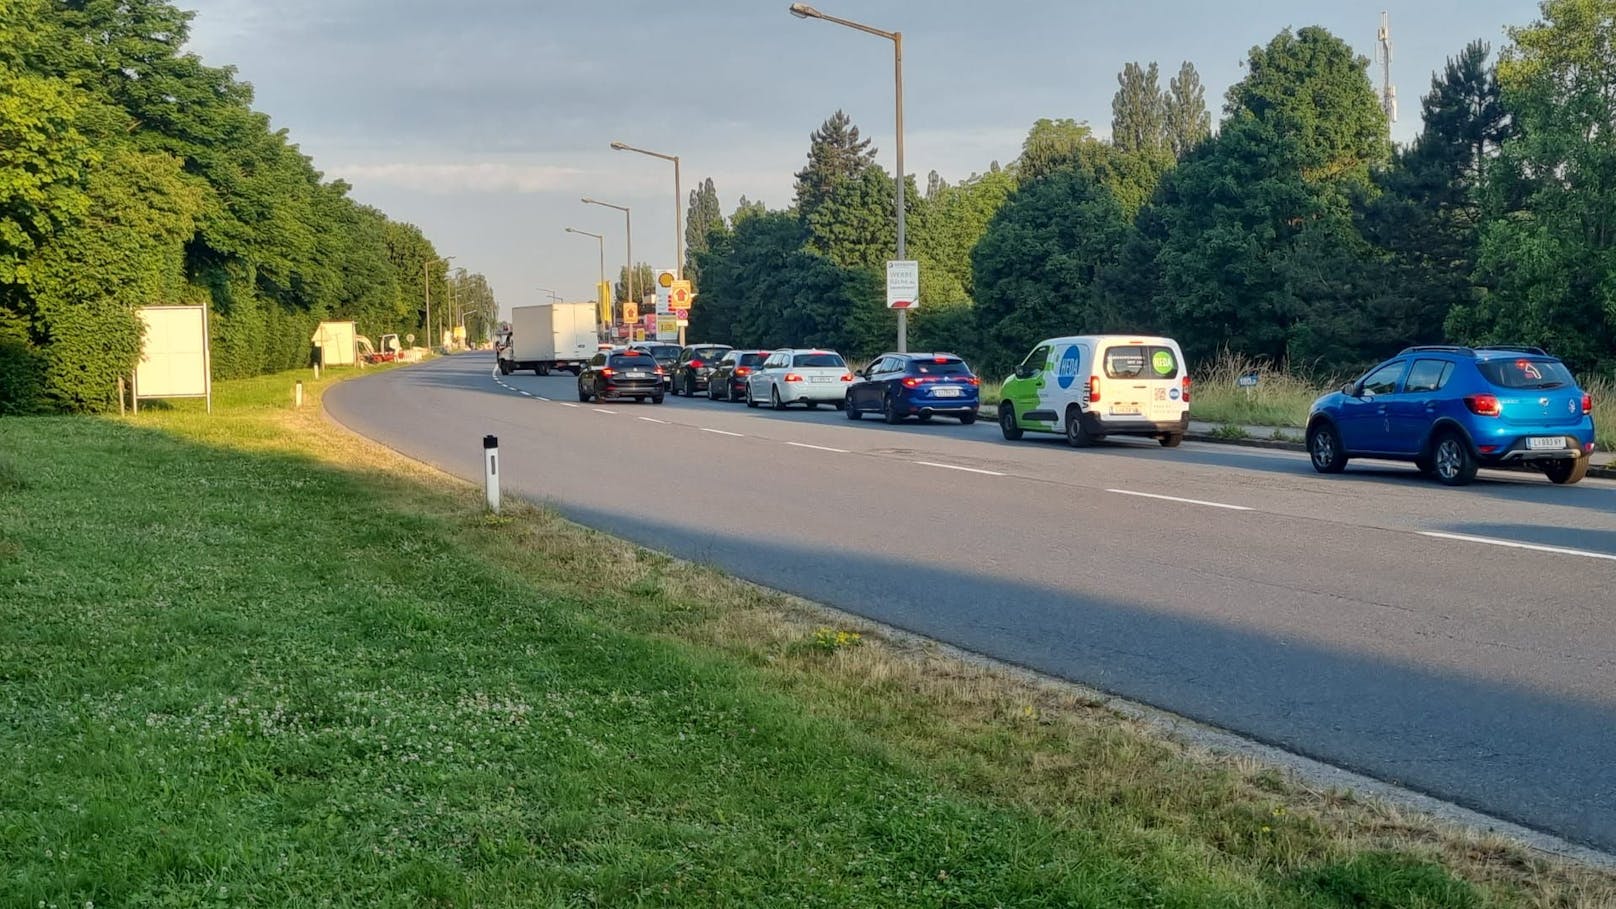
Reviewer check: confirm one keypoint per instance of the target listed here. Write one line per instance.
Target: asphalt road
(1460, 642)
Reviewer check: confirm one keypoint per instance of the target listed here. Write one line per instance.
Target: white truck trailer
(549, 336)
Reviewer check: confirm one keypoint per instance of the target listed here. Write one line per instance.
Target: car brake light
(660, 371)
(743, 370)
(911, 382)
(1587, 404)
(971, 380)
(1484, 405)
(1094, 389)
(940, 360)
(793, 377)
(607, 371)
(847, 377)
(1186, 389)
(695, 364)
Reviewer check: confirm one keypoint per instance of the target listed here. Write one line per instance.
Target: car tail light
(793, 377)
(971, 380)
(743, 370)
(695, 364)
(1587, 404)
(660, 371)
(1186, 389)
(1094, 389)
(847, 377)
(1484, 405)
(607, 372)
(911, 382)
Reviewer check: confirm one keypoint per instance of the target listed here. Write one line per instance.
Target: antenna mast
(1383, 56)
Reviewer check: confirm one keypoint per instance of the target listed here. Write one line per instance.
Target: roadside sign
(603, 297)
(667, 328)
(1248, 380)
(903, 284)
(664, 287)
(631, 311)
(682, 316)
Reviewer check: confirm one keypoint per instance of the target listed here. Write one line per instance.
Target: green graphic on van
(1162, 362)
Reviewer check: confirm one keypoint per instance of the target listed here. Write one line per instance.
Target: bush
(22, 378)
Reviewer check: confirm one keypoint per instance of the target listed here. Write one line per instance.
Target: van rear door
(1141, 381)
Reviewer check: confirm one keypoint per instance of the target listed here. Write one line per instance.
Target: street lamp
(426, 285)
(553, 296)
(678, 214)
(628, 239)
(804, 11)
(601, 240)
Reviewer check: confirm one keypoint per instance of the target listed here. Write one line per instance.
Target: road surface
(1459, 642)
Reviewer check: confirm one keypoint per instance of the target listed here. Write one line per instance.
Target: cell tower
(1383, 56)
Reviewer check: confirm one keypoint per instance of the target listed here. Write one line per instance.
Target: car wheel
(656, 399)
(541, 370)
(890, 410)
(1007, 422)
(967, 419)
(750, 401)
(504, 367)
(1324, 449)
(1077, 435)
(690, 386)
(1171, 440)
(583, 394)
(774, 398)
(1455, 465)
(1567, 471)
(712, 390)
(851, 411)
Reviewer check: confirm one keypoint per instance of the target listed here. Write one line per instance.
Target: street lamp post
(628, 239)
(601, 241)
(426, 285)
(678, 214)
(804, 11)
(553, 296)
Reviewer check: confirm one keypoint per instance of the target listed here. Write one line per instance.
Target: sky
(485, 121)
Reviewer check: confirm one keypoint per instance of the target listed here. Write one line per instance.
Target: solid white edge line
(1511, 544)
(987, 473)
(818, 447)
(722, 432)
(653, 420)
(1151, 495)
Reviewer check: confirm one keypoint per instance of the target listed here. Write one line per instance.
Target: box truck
(549, 336)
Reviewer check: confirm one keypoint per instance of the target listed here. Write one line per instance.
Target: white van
(1093, 386)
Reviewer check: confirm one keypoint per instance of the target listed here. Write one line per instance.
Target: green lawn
(248, 660)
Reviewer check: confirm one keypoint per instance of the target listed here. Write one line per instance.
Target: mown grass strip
(249, 659)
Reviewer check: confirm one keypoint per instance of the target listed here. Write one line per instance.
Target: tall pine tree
(836, 155)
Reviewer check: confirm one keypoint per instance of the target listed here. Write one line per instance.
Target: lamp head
(618, 146)
(804, 11)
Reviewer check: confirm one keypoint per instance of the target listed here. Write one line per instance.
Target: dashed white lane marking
(989, 473)
(525, 394)
(654, 420)
(1511, 544)
(720, 432)
(566, 404)
(818, 447)
(541, 397)
(603, 410)
(1151, 495)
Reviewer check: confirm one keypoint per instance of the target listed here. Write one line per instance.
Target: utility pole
(1383, 56)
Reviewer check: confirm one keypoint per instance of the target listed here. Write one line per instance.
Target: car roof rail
(1516, 348)
(1437, 348)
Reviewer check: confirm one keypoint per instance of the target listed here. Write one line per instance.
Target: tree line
(1295, 232)
(133, 174)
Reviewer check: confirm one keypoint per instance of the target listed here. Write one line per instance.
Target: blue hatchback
(901, 385)
(1453, 410)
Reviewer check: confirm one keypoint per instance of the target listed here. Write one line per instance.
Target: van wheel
(1007, 422)
(541, 370)
(1566, 472)
(1455, 465)
(504, 367)
(1077, 435)
(1171, 440)
(1324, 449)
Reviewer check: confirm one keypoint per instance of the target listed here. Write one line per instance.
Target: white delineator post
(491, 471)
(298, 394)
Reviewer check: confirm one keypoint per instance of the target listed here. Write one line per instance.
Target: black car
(621, 374)
(900, 385)
(696, 364)
(728, 379)
(667, 357)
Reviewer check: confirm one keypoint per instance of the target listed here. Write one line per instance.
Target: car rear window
(708, 353)
(753, 359)
(1526, 372)
(662, 351)
(632, 361)
(817, 359)
(1141, 361)
(939, 367)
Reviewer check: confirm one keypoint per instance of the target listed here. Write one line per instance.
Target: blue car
(1454, 410)
(923, 385)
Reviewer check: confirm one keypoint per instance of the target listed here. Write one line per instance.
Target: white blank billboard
(173, 353)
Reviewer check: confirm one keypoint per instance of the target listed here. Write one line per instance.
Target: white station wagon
(792, 376)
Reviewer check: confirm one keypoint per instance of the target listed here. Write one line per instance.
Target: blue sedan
(921, 385)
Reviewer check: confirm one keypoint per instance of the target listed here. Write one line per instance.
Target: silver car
(799, 376)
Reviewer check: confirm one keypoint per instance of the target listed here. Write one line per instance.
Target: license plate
(1125, 410)
(820, 378)
(636, 375)
(1542, 443)
(946, 392)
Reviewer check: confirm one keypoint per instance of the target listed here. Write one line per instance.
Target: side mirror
(1350, 389)
(1025, 371)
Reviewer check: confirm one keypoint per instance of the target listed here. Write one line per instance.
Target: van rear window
(1526, 372)
(1141, 361)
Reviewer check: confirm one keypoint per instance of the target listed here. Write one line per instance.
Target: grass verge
(251, 659)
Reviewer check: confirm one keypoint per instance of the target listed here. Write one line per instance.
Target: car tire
(541, 370)
(712, 390)
(750, 401)
(1171, 440)
(1077, 435)
(889, 409)
(1324, 449)
(774, 399)
(1567, 471)
(656, 399)
(690, 386)
(583, 396)
(967, 419)
(1455, 464)
(1007, 422)
(852, 412)
(813, 405)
